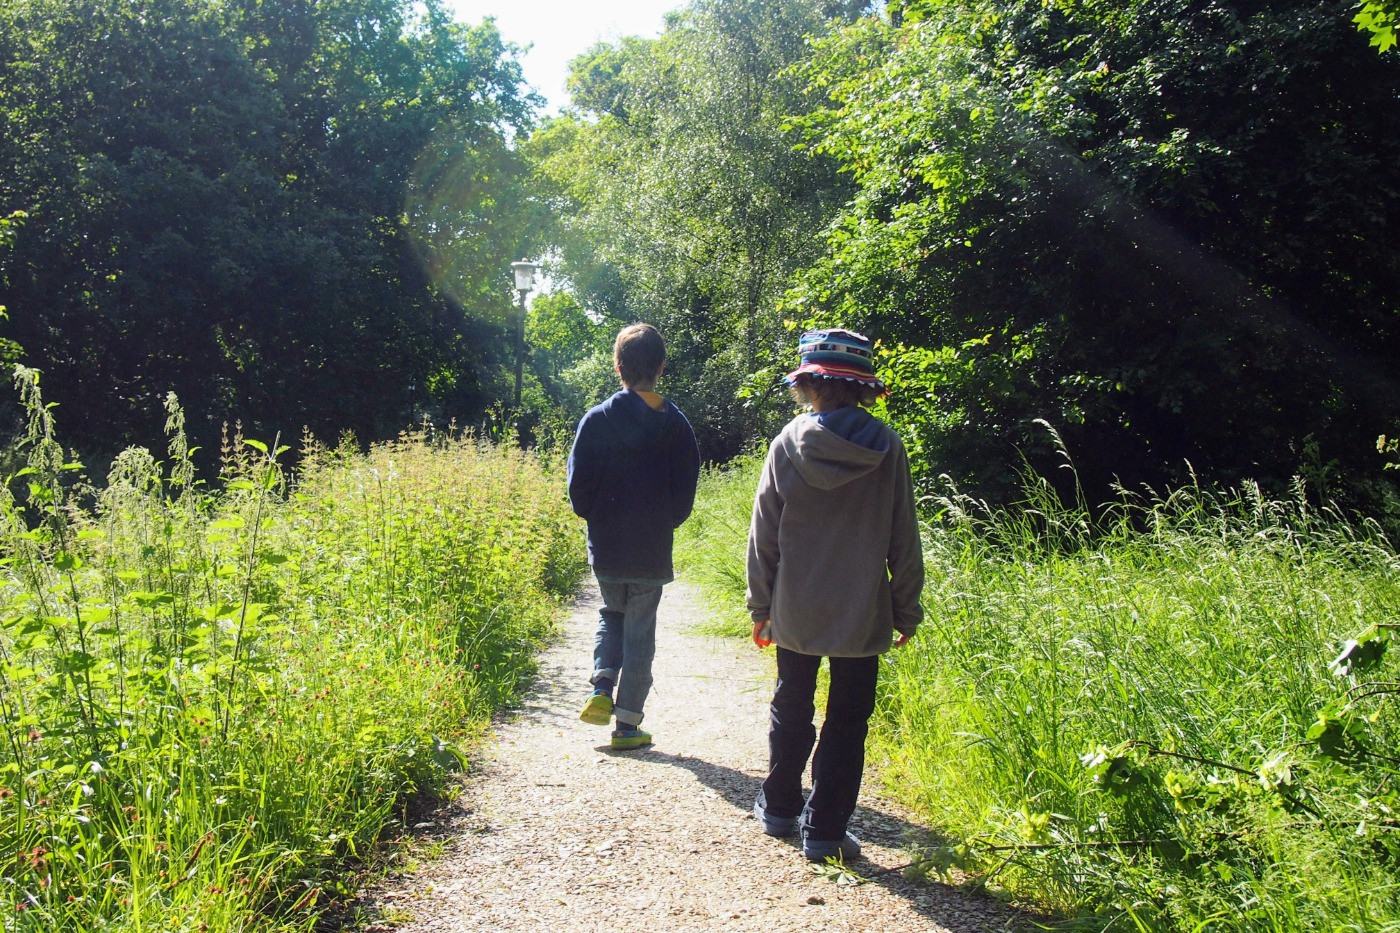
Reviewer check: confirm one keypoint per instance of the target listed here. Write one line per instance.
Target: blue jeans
(625, 645)
(839, 762)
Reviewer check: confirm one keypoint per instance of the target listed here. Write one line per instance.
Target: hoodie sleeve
(685, 471)
(585, 468)
(763, 540)
(906, 554)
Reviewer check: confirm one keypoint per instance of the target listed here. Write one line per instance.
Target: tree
(683, 201)
(1160, 226)
(559, 333)
(227, 201)
(9, 231)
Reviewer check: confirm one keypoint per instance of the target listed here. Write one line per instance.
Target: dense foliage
(299, 213)
(211, 702)
(1165, 227)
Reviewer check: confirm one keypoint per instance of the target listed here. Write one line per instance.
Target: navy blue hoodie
(632, 475)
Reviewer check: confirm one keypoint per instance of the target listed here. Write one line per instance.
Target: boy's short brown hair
(639, 353)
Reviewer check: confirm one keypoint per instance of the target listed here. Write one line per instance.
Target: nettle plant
(1215, 803)
(1348, 728)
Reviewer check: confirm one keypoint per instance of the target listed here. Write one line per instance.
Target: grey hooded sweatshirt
(834, 557)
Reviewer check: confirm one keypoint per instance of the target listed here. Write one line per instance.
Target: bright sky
(559, 30)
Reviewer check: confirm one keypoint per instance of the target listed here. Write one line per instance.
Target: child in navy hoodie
(632, 476)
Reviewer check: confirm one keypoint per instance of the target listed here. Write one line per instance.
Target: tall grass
(1133, 720)
(211, 698)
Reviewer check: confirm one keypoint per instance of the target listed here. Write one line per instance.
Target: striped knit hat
(837, 354)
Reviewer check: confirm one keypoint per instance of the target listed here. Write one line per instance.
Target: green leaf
(96, 615)
(1338, 735)
(220, 611)
(76, 662)
(1361, 653)
(148, 600)
(448, 756)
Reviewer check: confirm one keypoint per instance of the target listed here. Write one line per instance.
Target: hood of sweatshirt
(634, 423)
(830, 449)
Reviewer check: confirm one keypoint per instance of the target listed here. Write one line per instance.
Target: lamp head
(524, 274)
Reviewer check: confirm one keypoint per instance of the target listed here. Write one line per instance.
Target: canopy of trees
(1165, 229)
(681, 198)
(295, 212)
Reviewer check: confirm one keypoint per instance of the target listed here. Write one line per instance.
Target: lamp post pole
(524, 281)
(519, 346)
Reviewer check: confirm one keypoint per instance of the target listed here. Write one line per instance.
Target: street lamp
(524, 281)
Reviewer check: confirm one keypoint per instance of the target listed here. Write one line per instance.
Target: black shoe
(819, 850)
(774, 825)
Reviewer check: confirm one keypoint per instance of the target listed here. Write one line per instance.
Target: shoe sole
(597, 711)
(774, 825)
(821, 851)
(624, 745)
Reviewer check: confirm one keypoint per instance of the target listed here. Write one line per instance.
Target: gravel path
(554, 831)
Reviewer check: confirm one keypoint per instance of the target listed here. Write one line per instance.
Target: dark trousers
(839, 761)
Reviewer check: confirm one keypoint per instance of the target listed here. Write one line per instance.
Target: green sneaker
(626, 739)
(597, 711)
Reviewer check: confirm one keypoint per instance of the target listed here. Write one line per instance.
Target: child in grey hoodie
(835, 568)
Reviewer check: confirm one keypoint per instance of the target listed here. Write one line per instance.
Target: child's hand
(901, 639)
(762, 633)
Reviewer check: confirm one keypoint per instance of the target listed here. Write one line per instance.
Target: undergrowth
(213, 698)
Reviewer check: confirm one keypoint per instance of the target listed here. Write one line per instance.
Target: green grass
(710, 546)
(213, 701)
(1131, 720)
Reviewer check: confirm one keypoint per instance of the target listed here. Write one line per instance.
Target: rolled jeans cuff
(608, 672)
(625, 717)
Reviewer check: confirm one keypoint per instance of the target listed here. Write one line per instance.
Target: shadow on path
(961, 910)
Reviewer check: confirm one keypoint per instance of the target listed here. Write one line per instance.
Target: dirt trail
(557, 832)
